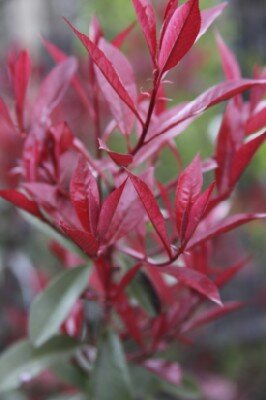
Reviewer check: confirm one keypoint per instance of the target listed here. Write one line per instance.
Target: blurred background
(228, 356)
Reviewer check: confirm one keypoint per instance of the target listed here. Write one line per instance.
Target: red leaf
(211, 315)
(108, 210)
(230, 138)
(243, 157)
(256, 122)
(120, 38)
(4, 113)
(195, 280)
(127, 278)
(197, 212)
(188, 189)
(147, 19)
(211, 97)
(166, 370)
(152, 210)
(230, 272)
(225, 226)
(123, 115)
(50, 95)
(22, 73)
(123, 160)
(85, 196)
(58, 55)
(20, 200)
(229, 61)
(106, 67)
(85, 240)
(180, 34)
(209, 16)
(169, 11)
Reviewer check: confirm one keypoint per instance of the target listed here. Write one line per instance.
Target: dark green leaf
(110, 377)
(53, 305)
(22, 362)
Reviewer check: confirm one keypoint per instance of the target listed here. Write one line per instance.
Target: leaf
(211, 315)
(71, 374)
(223, 227)
(22, 73)
(123, 115)
(256, 122)
(166, 370)
(152, 209)
(58, 55)
(197, 211)
(84, 196)
(209, 16)
(85, 240)
(127, 278)
(5, 114)
(225, 276)
(244, 156)
(229, 61)
(188, 189)
(215, 95)
(110, 376)
(51, 93)
(51, 307)
(106, 67)
(52, 233)
(147, 19)
(122, 160)
(21, 200)
(195, 280)
(22, 362)
(180, 34)
(108, 210)
(120, 38)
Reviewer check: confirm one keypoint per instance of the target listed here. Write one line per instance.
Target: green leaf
(72, 374)
(47, 230)
(22, 362)
(110, 376)
(53, 305)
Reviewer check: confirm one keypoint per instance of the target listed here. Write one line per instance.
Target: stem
(157, 78)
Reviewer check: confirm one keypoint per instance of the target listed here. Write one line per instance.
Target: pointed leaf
(152, 209)
(108, 210)
(110, 376)
(209, 16)
(122, 160)
(180, 34)
(106, 67)
(120, 38)
(256, 122)
(225, 226)
(51, 93)
(85, 197)
(197, 211)
(211, 315)
(188, 189)
(85, 240)
(147, 19)
(22, 362)
(195, 280)
(50, 309)
(229, 61)
(21, 200)
(123, 115)
(244, 156)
